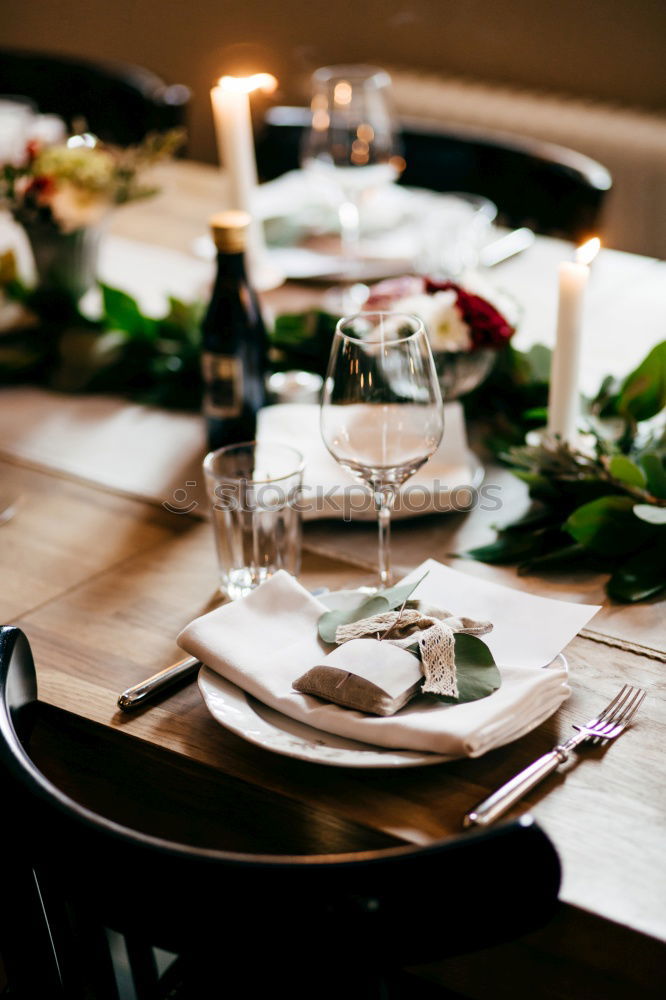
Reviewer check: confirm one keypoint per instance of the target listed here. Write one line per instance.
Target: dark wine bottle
(233, 342)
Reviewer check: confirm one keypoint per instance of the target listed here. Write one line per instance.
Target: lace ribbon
(434, 638)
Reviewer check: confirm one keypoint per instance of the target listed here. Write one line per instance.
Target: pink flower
(385, 294)
(468, 322)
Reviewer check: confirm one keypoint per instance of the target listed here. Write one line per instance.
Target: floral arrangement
(470, 328)
(71, 185)
(457, 319)
(605, 507)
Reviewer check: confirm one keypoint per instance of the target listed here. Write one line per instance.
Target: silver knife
(163, 679)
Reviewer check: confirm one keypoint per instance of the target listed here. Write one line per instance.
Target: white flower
(442, 319)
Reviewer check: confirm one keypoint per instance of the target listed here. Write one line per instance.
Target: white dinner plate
(302, 264)
(255, 722)
(263, 726)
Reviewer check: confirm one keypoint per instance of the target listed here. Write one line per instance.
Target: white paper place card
(528, 631)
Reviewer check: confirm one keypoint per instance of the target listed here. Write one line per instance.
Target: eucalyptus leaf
(606, 392)
(560, 557)
(122, 312)
(540, 487)
(508, 548)
(536, 413)
(643, 392)
(183, 321)
(330, 621)
(537, 517)
(476, 671)
(520, 546)
(650, 514)
(400, 592)
(640, 577)
(584, 490)
(608, 526)
(626, 471)
(655, 474)
(375, 604)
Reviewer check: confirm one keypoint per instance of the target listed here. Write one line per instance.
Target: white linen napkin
(265, 641)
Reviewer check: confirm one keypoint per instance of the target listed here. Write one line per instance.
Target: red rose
(488, 328)
(41, 188)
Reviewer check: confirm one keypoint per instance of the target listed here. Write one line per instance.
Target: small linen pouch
(374, 677)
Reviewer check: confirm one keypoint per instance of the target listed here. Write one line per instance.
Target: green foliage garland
(604, 506)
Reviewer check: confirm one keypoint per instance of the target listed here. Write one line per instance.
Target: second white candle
(563, 399)
(564, 374)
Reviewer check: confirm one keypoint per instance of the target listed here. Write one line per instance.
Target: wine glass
(382, 415)
(351, 146)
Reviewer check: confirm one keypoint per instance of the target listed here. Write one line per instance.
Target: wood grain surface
(102, 583)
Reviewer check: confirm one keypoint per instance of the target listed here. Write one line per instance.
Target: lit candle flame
(342, 92)
(586, 253)
(246, 84)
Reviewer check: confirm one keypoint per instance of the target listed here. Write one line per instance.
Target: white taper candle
(230, 99)
(563, 401)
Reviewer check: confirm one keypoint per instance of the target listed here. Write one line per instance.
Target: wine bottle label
(223, 385)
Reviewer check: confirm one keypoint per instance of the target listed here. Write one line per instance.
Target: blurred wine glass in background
(351, 148)
(453, 231)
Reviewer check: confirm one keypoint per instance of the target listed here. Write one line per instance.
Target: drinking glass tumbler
(254, 491)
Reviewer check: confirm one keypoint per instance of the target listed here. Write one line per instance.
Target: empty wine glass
(351, 147)
(382, 415)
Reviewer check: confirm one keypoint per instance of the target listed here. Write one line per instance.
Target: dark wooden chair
(344, 923)
(119, 103)
(553, 190)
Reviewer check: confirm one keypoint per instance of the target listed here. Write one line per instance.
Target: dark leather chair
(553, 190)
(329, 926)
(119, 103)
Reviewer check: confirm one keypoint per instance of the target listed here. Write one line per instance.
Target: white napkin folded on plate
(265, 641)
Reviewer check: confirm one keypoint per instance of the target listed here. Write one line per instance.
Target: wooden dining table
(102, 572)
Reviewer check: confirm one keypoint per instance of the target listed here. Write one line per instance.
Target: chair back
(549, 188)
(91, 872)
(119, 103)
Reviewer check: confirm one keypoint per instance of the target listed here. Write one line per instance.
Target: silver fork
(612, 721)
